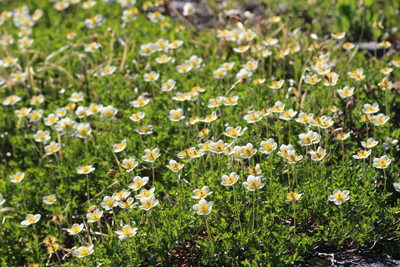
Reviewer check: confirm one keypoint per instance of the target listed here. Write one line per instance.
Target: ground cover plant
(217, 133)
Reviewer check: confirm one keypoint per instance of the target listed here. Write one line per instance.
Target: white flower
(369, 144)
(234, 132)
(129, 164)
(30, 219)
(168, 86)
(107, 70)
(85, 169)
(241, 49)
(287, 115)
(284, 150)
(362, 154)
(216, 102)
(23, 112)
(119, 147)
(308, 79)
(175, 44)
(151, 77)
(83, 251)
(147, 49)
(268, 146)
(304, 118)
(188, 9)
(244, 74)
(37, 99)
(83, 130)
(338, 197)
(183, 68)
(148, 202)
(50, 199)
(42, 136)
(66, 125)
(219, 147)
(108, 113)
(109, 203)
(194, 62)
(18, 76)
(370, 109)
(94, 216)
(140, 102)
(76, 97)
(382, 162)
(92, 47)
(126, 232)
(94, 108)
(277, 107)
(151, 155)
(318, 155)
(380, 119)
(127, 203)
(229, 180)
(136, 117)
(155, 16)
(163, 59)
(175, 166)
(389, 143)
(161, 45)
(219, 73)
(88, 4)
(276, 84)
(124, 194)
(201, 193)
(138, 182)
(9, 62)
(248, 151)
(11, 100)
(25, 42)
(2, 200)
(253, 183)
(176, 115)
(95, 21)
(231, 100)
(307, 139)
(52, 148)
(75, 229)
(210, 118)
(346, 92)
(17, 178)
(227, 66)
(253, 116)
(145, 129)
(61, 5)
(203, 208)
(36, 115)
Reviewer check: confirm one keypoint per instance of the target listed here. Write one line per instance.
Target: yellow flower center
(292, 196)
(183, 68)
(268, 146)
(230, 180)
(380, 120)
(206, 146)
(51, 149)
(233, 132)
(129, 165)
(219, 147)
(251, 65)
(370, 109)
(83, 131)
(151, 155)
(50, 199)
(93, 20)
(203, 208)
(176, 115)
(84, 251)
(126, 204)
(241, 48)
(42, 136)
(287, 114)
(147, 49)
(362, 153)
(369, 144)
(18, 76)
(31, 219)
(204, 132)
(382, 163)
(108, 113)
(176, 166)
(75, 229)
(156, 14)
(338, 196)
(201, 193)
(276, 84)
(95, 216)
(347, 93)
(35, 115)
(193, 63)
(248, 152)
(277, 108)
(254, 116)
(23, 111)
(85, 168)
(254, 184)
(389, 142)
(209, 117)
(9, 61)
(109, 202)
(127, 231)
(120, 146)
(148, 204)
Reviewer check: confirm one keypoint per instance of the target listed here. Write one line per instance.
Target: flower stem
(294, 216)
(209, 235)
(155, 229)
(23, 194)
(130, 250)
(87, 185)
(254, 208)
(341, 218)
(237, 208)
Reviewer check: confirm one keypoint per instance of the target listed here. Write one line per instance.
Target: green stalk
(209, 235)
(254, 208)
(237, 208)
